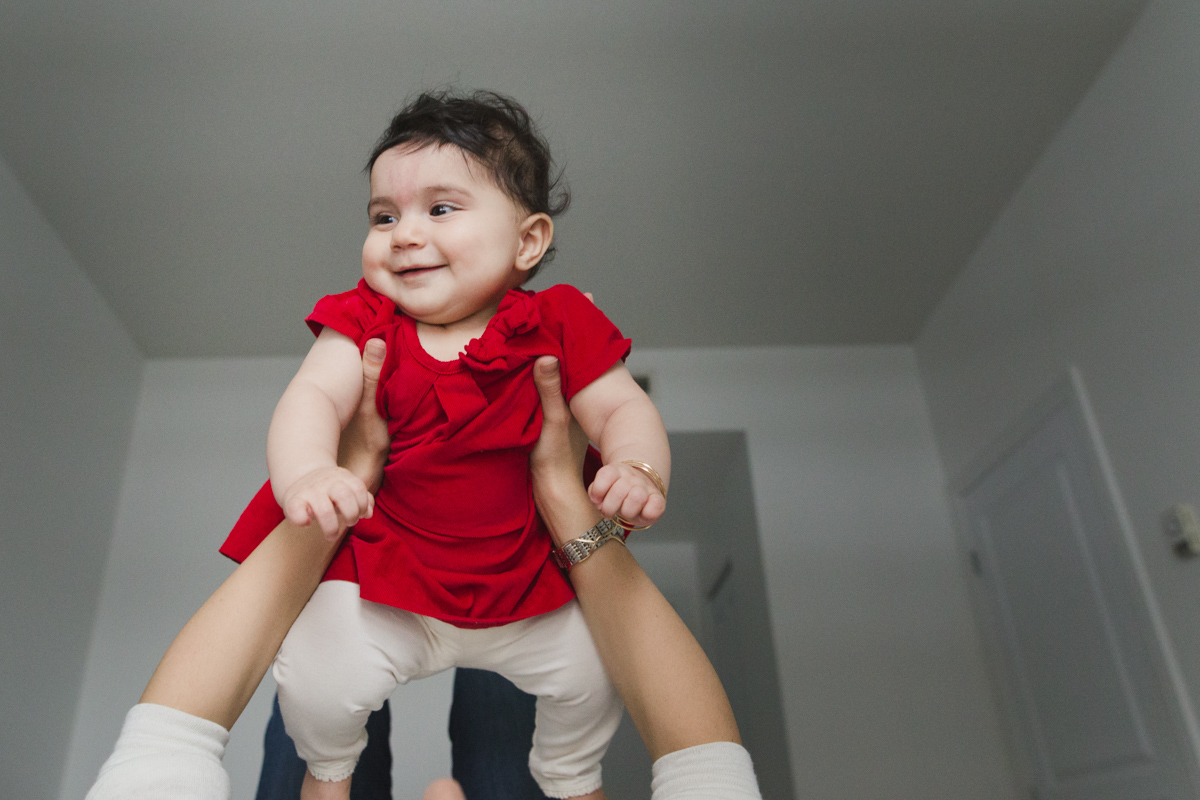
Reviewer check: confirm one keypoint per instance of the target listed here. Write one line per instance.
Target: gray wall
(884, 689)
(68, 382)
(1096, 262)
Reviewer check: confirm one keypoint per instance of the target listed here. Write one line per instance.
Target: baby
(449, 564)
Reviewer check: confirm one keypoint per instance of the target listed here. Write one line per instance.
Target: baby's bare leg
(444, 789)
(313, 789)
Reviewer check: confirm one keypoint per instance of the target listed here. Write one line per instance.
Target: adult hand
(215, 664)
(669, 687)
(561, 448)
(363, 446)
(556, 461)
(557, 458)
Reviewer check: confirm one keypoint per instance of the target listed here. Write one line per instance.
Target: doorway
(1082, 672)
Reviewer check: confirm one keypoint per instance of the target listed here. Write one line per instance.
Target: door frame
(1068, 393)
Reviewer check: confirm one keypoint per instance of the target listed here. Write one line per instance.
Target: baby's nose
(407, 233)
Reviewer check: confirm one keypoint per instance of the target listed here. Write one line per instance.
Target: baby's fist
(332, 497)
(625, 491)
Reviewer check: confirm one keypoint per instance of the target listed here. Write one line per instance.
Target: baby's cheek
(373, 276)
(376, 279)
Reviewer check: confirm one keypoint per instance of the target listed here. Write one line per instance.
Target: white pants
(345, 655)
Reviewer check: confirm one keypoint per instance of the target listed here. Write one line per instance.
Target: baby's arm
(618, 416)
(302, 445)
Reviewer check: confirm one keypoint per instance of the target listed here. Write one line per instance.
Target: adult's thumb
(373, 354)
(547, 377)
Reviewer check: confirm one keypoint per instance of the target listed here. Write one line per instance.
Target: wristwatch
(577, 550)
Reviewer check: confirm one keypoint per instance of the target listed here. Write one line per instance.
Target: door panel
(1079, 656)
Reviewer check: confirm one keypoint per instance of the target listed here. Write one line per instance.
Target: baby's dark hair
(498, 132)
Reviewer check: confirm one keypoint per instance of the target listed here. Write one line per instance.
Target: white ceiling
(744, 173)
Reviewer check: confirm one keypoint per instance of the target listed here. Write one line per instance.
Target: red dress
(455, 534)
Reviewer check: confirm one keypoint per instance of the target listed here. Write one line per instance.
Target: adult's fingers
(372, 365)
(557, 419)
(362, 447)
(372, 361)
(548, 379)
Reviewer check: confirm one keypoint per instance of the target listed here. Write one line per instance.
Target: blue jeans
(491, 732)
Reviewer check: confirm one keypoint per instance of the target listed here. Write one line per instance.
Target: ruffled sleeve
(591, 343)
(358, 313)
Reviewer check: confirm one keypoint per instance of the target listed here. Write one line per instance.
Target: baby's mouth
(421, 270)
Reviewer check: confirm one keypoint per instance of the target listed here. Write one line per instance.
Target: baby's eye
(440, 209)
(382, 219)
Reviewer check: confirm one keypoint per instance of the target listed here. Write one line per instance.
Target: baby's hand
(332, 497)
(620, 489)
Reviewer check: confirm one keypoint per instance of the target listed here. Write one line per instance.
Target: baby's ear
(537, 232)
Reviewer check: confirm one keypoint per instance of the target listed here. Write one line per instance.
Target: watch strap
(576, 550)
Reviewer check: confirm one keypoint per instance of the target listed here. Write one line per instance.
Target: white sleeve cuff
(714, 771)
(165, 754)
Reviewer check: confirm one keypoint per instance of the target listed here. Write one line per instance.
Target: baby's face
(444, 239)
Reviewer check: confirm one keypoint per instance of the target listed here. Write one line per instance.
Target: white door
(1080, 664)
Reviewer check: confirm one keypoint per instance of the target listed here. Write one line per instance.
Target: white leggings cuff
(562, 789)
(161, 753)
(332, 771)
(714, 771)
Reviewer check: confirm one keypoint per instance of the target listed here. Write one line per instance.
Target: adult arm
(668, 684)
(217, 661)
